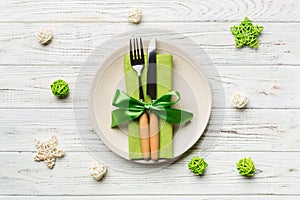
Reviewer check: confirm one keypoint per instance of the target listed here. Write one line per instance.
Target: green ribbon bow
(130, 108)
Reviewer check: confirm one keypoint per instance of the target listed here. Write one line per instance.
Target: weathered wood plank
(116, 11)
(278, 173)
(271, 125)
(247, 130)
(73, 42)
(267, 86)
(165, 197)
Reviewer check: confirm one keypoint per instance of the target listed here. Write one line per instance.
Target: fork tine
(141, 49)
(138, 47)
(130, 50)
(135, 49)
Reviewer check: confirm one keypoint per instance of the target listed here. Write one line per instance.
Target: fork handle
(141, 88)
(144, 136)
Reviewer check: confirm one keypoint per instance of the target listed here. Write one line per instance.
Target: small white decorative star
(48, 151)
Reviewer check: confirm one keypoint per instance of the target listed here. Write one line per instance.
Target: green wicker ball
(197, 165)
(246, 167)
(60, 88)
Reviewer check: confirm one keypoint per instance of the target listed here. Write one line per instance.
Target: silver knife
(151, 91)
(151, 74)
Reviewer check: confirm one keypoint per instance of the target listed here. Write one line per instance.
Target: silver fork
(137, 62)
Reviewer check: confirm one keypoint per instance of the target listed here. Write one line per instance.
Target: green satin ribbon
(130, 108)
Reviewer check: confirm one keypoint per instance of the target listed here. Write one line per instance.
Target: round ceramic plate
(188, 78)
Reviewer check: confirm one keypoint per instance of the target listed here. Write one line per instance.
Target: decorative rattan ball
(44, 36)
(239, 100)
(246, 167)
(60, 88)
(97, 171)
(134, 15)
(197, 165)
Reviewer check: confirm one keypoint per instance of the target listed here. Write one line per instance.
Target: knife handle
(154, 136)
(144, 136)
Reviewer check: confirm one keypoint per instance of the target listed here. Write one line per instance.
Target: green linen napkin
(164, 85)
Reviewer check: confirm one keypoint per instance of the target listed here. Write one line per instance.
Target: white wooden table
(268, 130)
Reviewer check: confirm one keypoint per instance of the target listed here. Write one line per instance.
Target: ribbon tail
(175, 116)
(121, 116)
(123, 101)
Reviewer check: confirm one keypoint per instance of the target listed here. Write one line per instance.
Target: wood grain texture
(154, 11)
(33, 178)
(268, 130)
(73, 42)
(246, 130)
(164, 197)
(275, 88)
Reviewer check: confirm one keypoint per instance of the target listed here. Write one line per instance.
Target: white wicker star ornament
(48, 151)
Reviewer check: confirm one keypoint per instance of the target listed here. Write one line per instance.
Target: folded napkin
(164, 85)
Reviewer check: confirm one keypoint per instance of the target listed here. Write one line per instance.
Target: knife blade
(151, 73)
(151, 91)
